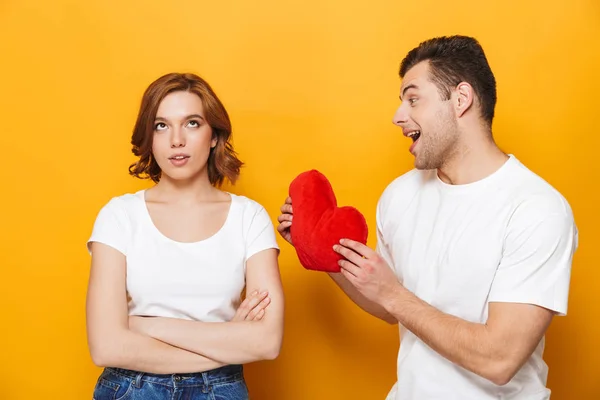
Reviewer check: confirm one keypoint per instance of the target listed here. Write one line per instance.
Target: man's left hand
(367, 271)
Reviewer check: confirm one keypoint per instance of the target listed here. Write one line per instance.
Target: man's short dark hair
(455, 59)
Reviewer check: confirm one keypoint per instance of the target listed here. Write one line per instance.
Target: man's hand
(367, 271)
(285, 220)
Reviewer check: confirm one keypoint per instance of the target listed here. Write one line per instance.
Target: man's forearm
(467, 344)
(367, 305)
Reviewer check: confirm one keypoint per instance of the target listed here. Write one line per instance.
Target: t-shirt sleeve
(381, 246)
(112, 227)
(260, 233)
(536, 264)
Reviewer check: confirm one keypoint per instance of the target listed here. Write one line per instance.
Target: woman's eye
(412, 101)
(160, 126)
(194, 124)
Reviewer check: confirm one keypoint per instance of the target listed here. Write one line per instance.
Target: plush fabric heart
(319, 223)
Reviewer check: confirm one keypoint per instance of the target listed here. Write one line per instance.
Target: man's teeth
(414, 135)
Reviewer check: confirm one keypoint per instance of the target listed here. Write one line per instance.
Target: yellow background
(309, 84)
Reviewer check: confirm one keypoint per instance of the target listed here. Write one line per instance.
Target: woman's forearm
(228, 342)
(134, 351)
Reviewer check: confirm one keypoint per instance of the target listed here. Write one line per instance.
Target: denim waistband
(224, 374)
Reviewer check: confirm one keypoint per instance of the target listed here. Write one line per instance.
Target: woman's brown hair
(222, 161)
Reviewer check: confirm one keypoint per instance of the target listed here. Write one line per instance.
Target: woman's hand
(253, 307)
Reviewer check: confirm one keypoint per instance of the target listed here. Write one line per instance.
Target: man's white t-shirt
(199, 281)
(507, 238)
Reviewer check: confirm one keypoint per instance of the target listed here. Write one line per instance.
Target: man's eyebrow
(411, 86)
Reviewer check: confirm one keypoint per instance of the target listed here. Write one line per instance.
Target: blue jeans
(225, 383)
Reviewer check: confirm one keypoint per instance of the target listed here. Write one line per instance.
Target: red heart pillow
(319, 223)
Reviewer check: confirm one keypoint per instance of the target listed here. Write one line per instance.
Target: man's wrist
(393, 302)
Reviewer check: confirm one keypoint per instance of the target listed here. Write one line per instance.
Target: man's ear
(464, 98)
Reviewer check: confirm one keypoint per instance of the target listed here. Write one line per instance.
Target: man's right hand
(285, 220)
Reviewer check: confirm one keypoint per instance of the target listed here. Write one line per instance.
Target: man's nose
(400, 117)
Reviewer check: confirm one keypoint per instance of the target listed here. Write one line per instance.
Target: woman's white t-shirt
(199, 281)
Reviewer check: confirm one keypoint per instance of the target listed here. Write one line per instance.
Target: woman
(169, 263)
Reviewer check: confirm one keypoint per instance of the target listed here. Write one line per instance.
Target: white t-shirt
(507, 238)
(199, 281)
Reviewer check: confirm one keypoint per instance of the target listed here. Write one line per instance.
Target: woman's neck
(193, 190)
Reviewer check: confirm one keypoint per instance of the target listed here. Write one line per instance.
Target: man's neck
(479, 159)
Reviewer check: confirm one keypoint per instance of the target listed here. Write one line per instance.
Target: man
(474, 250)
